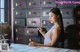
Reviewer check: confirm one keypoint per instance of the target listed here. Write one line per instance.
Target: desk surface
(26, 48)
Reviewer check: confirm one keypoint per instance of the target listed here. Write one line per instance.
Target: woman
(50, 38)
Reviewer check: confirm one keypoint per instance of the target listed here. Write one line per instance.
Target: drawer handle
(44, 22)
(30, 3)
(32, 13)
(17, 4)
(16, 22)
(16, 30)
(49, 2)
(45, 13)
(29, 13)
(18, 13)
(27, 31)
(17, 38)
(44, 2)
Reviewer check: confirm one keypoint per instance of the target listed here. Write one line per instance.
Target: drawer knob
(16, 30)
(27, 31)
(17, 38)
(30, 3)
(44, 22)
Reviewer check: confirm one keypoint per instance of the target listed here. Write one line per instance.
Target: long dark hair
(56, 11)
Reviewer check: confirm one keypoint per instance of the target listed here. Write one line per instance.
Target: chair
(73, 36)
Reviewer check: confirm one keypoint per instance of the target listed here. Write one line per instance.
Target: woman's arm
(54, 36)
(42, 33)
(38, 44)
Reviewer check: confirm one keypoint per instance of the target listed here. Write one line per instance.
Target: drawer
(34, 12)
(46, 22)
(33, 3)
(33, 22)
(67, 22)
(31, 32)
(21, 39)
(45, 17)
(20, 4)
(68, 13)
(19, 30)
(35, 39)
(20, 13)
(45, 12)
(48, 3)
(20, 22)
(66, 6)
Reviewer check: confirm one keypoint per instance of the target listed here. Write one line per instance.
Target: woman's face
(52, 17)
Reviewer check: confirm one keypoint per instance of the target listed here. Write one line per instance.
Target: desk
(26, 48)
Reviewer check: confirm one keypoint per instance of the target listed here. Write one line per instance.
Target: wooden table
(26, 48)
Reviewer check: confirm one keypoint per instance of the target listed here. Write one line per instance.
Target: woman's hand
(40, 30)
(32, 44)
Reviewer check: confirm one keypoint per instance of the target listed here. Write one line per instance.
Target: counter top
(26, 48)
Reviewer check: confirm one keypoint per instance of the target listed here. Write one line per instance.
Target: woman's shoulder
(56, 29)
(57, 26)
